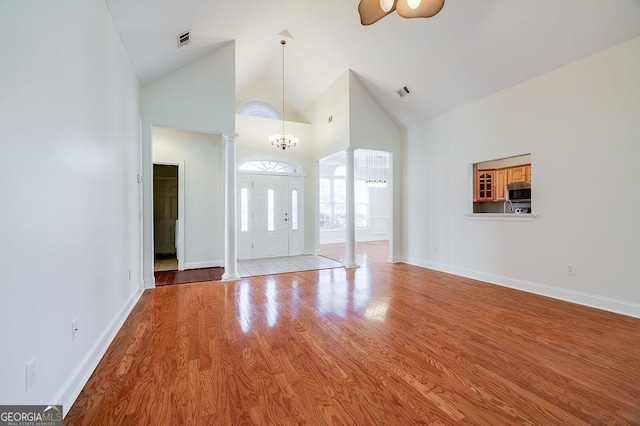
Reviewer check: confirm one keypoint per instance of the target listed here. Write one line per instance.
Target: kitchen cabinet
(490, 185)
(517, 174)
(485, 185)
(500, 185)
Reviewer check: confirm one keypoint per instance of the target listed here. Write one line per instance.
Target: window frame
(333, 223)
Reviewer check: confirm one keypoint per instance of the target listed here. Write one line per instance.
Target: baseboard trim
(369, 239)
(69, 391)
(578, 297)
(150, 283)
(204, 264)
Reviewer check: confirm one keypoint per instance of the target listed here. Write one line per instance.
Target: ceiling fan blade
(420, 9)
(370, 11)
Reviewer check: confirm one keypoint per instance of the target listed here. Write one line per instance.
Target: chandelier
(283, 140)
(372, 11)
(376, 169)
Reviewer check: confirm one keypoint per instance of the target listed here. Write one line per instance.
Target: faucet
(504, 206)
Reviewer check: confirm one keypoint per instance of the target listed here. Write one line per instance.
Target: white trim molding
(578, 297)
(204, 264)
(508, 217)
(70, 389)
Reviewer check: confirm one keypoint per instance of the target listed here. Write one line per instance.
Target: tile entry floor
(281, 265)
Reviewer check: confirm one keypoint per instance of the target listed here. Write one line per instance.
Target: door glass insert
(270, 210)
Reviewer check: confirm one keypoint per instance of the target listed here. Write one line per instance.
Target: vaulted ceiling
(469, 50)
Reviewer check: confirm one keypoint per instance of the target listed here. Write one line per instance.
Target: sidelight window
(294, 209)
(244, 210)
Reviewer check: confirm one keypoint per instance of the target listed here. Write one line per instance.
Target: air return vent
(184, 38)
(404, 91)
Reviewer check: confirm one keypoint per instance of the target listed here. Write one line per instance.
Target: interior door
(165, 214)
(270, 216)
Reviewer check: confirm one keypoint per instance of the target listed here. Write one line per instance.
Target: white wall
(580, 124)
(203, 191)
(69, 222)
(333, 137)
(371, 128)
(360, 123)
(198, 97)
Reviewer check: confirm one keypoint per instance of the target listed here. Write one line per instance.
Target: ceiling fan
(371, 11)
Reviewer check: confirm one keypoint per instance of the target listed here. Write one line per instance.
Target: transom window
(260, 109)
(269, 166)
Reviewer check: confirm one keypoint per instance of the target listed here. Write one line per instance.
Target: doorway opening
(373, 196)
(165, 217)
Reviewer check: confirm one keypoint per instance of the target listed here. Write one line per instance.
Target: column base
(230, 277)
(350, 265)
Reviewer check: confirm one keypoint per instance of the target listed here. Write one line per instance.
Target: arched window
(260, 109)
(269, 166)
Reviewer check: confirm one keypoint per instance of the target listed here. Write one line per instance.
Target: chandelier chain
(283, 140)
(283, 42)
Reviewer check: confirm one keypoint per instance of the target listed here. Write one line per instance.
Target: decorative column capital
(230, 137)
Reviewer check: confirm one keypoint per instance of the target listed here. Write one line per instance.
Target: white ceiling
(469, 50)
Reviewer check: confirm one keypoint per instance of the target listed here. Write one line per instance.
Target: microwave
(519, 192)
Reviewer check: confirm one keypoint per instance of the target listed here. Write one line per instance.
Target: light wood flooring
(384, 344)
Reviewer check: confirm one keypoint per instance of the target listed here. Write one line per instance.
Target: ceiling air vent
(184, 38)
(404, 91)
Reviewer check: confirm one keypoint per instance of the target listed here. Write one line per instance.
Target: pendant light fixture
(283, 140)
(371, 11)
(376, 169)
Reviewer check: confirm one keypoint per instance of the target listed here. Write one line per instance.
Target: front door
(269, 216)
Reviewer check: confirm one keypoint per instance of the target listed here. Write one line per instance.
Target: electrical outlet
(74, 329)
(31, 373)
(571, 269)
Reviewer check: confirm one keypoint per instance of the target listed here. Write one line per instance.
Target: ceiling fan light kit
(418, 8)
(371, 11)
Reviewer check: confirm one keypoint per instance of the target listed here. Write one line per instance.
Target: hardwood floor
(188, 276)
(382, 344)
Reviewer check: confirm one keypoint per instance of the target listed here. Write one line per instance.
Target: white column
(230, 237)
(350, 255)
